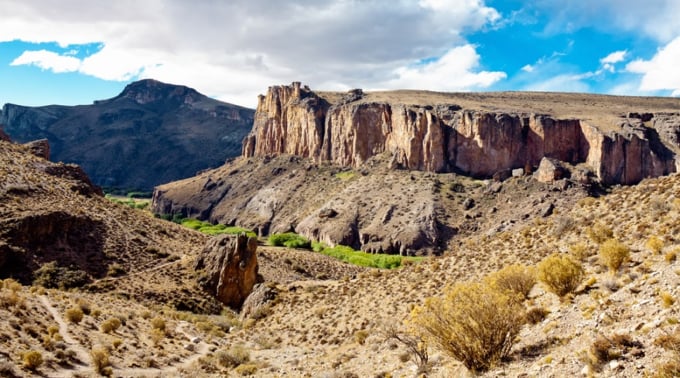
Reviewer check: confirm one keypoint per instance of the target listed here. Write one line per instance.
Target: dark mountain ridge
(151, 133)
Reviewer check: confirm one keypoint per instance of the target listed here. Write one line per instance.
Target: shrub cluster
(110, 325)
(74, 314)
(472, 322)
(232, 357)
(370, 260)
(214, 229)
(32, 360)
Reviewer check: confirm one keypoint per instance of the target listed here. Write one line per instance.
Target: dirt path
(202, 349)
(81, 353)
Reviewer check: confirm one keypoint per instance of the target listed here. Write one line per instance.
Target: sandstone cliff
(447, 137)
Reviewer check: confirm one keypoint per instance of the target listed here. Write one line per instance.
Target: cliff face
(150, 134)
(446, 138)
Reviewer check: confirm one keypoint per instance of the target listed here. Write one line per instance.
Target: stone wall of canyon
(447, 138)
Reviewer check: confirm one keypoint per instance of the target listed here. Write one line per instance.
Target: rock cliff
(447, 137)
(149, 134)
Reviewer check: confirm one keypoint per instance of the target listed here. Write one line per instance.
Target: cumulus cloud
(456, 70)
(236, 49)
(661, 72)
(48, 60)
(609, 61)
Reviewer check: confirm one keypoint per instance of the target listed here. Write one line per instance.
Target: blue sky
(76, 51)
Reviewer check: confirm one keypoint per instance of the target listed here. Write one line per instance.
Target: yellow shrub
(560, 273)
(74, 314)
(32, 359)
(613, 253)
(110, 325)
(518, 279)
(158, 323)
(598, 233)
(472, 322)
(100, 359)
(654, 244)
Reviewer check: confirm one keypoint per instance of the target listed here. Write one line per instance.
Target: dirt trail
(81, 353)
(201, 349)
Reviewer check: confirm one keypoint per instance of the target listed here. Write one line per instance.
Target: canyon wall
(447, 138)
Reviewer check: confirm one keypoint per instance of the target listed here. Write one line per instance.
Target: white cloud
(615, 57)
(661, 72)
(528, 68)
(454, 71)
(562, 83)
(47, 60)
(235, 49)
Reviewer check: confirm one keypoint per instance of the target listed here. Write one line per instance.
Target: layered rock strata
(446, 138)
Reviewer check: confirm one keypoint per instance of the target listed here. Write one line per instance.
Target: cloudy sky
(77, 51)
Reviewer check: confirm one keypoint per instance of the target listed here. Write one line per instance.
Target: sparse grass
(361, 336)
(654, 244)
(158, 323)
(246, 369)
(613, 253)
(667, 299)
(471, 322)
(560, 273)
(345, 176)
(599, 233)
(232, 357)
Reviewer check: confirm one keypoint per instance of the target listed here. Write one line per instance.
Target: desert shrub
(156, 335)
(74, 314)
(560, 273)
(32, 360)
(671, 256)
(669, 341)
(599, 233)
(246, 369)
(158, 323)
(654, 244)
(519, 279)
(613, 253)
(415, 346)
(290, 240)
(471, 322)
(360, 336)
(668, 369)
(580, 251)
(536, 315)
(667, 299)
(100, 359)
(110, 325)
(50, 275)
(116, 270)
(234, 356)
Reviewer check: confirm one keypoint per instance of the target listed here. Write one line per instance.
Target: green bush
(560, 273)
(214, 229)
(290, 240)
(472, 322)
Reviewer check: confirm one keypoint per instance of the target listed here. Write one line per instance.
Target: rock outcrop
(447, 138)
(229, 268)
(151, 133)
(40, 148)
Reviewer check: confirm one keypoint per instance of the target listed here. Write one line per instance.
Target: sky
(76, 51)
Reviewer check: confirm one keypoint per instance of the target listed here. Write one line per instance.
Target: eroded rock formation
(446, 138)
(229, 265)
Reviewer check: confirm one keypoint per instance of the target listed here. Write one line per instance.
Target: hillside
(414, 172)
(149, 134)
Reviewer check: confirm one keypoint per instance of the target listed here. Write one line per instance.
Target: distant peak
(151, 91)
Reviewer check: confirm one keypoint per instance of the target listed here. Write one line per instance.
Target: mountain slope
(150, 134)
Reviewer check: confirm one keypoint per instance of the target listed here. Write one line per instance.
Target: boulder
(229, 268)
(550, 170)
(258, 301)
(40, 148)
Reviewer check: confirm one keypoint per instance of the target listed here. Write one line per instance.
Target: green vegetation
(213, 229)
(50, 275)
(290, 240)
(370, 260)
(344, 176)
(133, 201)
